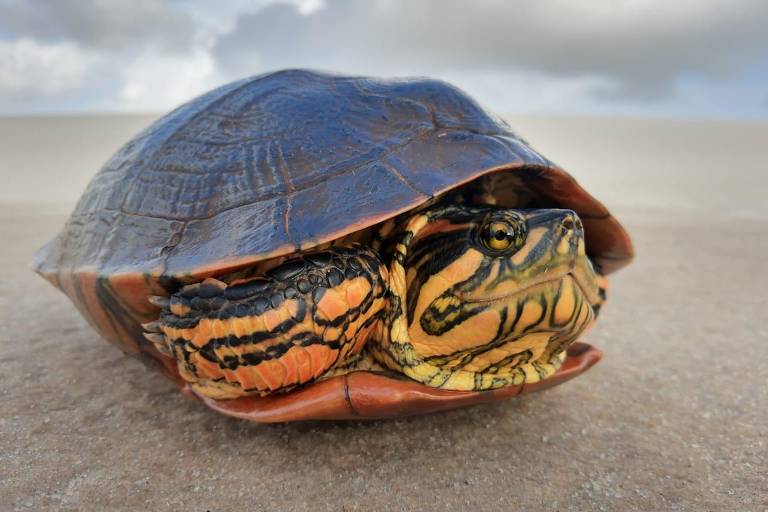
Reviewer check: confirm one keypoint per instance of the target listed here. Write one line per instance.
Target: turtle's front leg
(273, 332)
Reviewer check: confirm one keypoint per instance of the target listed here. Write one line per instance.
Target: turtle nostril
(579, 226)
(568, 223)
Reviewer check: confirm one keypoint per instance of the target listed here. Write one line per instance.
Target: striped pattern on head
(482, 297)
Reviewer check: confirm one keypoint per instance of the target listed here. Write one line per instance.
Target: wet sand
(674, 418)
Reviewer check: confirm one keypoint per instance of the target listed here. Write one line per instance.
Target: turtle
(303, 245)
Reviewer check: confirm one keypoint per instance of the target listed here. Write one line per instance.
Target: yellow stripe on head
(484, 296)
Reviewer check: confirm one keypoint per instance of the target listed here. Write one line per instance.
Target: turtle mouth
(583, 281)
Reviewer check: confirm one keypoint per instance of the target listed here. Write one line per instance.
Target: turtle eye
(497, 235)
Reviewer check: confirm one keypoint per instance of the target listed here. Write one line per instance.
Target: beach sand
(674, 418)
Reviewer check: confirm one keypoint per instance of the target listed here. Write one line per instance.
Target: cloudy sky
(686, 58)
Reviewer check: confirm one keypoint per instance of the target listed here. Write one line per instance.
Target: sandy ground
(674, 418)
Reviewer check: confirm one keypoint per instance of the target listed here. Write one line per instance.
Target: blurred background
(691, 58)
(79, 77)
(659, 108)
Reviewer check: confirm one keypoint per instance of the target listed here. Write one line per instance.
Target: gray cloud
(565, 56)
(104, 25)
(62, 55)
(641, 47)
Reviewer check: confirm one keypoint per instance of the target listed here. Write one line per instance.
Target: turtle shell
(279, 163)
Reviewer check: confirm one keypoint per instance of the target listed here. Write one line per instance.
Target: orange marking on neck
(271, 319)
(332, 305)
(357, 290)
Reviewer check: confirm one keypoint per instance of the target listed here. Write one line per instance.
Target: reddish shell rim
(367, 395)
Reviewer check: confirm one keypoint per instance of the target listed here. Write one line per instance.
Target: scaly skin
(271, 333)
(475, 297)
(467, 317)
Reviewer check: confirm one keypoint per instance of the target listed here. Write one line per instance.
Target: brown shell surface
(275, 164)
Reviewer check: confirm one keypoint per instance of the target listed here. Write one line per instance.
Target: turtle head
(488, 288)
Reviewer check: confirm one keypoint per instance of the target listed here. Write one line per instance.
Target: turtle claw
(158, 340)
(152, 327)
(155, 337)
(159, 301)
